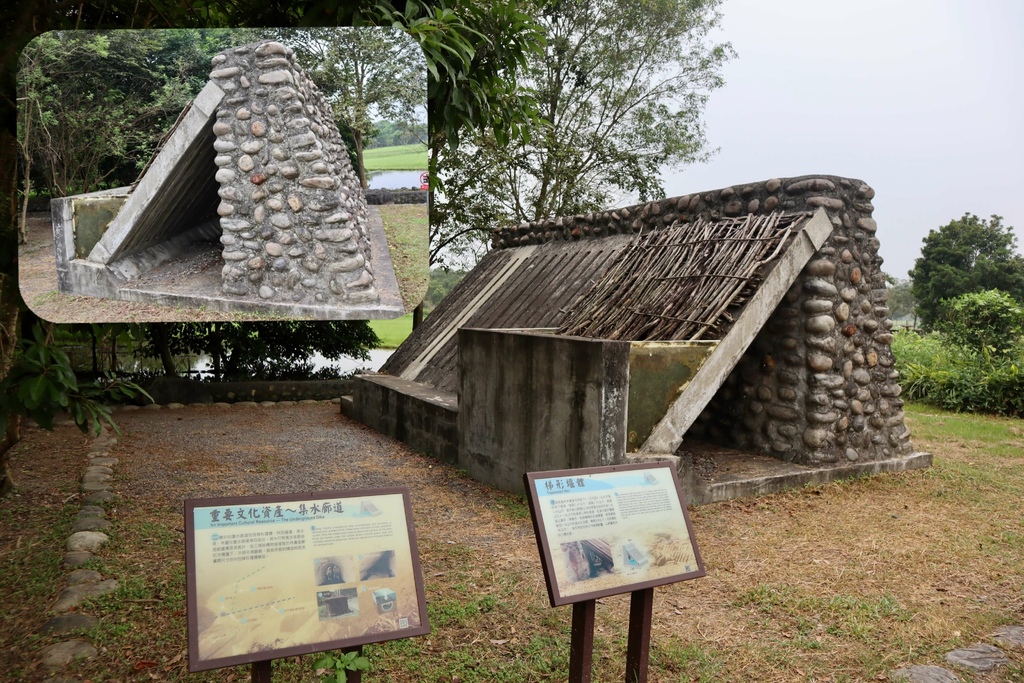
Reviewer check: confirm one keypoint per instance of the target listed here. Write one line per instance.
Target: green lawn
(392, 332)
(400, 158)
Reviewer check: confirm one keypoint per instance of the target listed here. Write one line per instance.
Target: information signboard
(283, 575)
(608, 530)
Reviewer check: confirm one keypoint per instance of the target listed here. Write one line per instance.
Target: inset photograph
(380, 565)
(342, 602)
(222, 171)
(333, 570)
(587, 559)
(385, 599)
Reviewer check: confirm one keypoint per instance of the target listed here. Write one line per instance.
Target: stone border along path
(87, 537)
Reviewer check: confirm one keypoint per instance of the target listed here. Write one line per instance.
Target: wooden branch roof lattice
(681, 283)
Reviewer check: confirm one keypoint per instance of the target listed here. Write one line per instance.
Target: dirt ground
(841, 582)
(37, 275)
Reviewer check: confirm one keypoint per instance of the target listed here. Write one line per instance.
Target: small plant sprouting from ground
(333, 667)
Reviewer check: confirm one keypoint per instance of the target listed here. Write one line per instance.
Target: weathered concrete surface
(744, 475)
(150, 215)
(532, 402)
(68, 244)
(658, 372)
(420, 416)
(167, 390)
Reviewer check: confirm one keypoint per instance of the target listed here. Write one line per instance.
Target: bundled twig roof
(681, 283)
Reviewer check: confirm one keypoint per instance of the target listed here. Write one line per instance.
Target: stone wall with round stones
(817, 385)
(292, 212)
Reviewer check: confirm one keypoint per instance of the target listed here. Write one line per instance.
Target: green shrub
(956, 377)
(991, 321)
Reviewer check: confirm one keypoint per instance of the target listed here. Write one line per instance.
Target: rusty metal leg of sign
(261, 671)
(638, 647)
(354, 676)
(581, 649)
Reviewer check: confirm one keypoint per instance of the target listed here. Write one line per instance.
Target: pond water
(342, 365)
(81, 359)
(393, 180)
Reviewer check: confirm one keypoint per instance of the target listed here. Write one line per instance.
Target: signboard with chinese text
(283, 575)
(608, 530)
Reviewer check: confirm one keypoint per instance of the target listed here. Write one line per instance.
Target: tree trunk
(163, 347)
(358, 137)
(11, 438)
(27, 156)
(10, 310)
(95, 355)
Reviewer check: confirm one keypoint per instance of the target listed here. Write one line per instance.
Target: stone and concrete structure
(250, 205)
(800, 379)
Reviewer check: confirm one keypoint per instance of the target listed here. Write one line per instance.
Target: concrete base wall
(166, 390)
(421, 417)
(533, 402)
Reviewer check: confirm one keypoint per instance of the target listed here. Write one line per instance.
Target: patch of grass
(406, 227)
(392, 332)
(515, 507)
(689, 662)
(399, 158)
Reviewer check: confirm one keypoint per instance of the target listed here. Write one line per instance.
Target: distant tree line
(968, 291)
(393, 134)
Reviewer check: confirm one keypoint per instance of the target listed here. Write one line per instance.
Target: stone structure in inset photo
(251, 204)
(743, 332)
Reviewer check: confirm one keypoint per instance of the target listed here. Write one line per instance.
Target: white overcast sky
(921, 99)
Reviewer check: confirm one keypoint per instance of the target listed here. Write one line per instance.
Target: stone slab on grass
(89, 541)
(1010, 636)
(76, 558)
(923, 673)
(980, 657)
(69, 622)
(59, 655)
(80, 576)
(90, 524)
(73, 595)
(99, 497)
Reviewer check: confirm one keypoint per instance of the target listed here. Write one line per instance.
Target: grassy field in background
(392, 332)
(406, 227)
(400, 158)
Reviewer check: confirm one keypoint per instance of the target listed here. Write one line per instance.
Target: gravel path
(202, 452)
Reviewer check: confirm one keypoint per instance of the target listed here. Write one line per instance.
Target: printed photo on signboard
(271, 576)
(610, 530)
